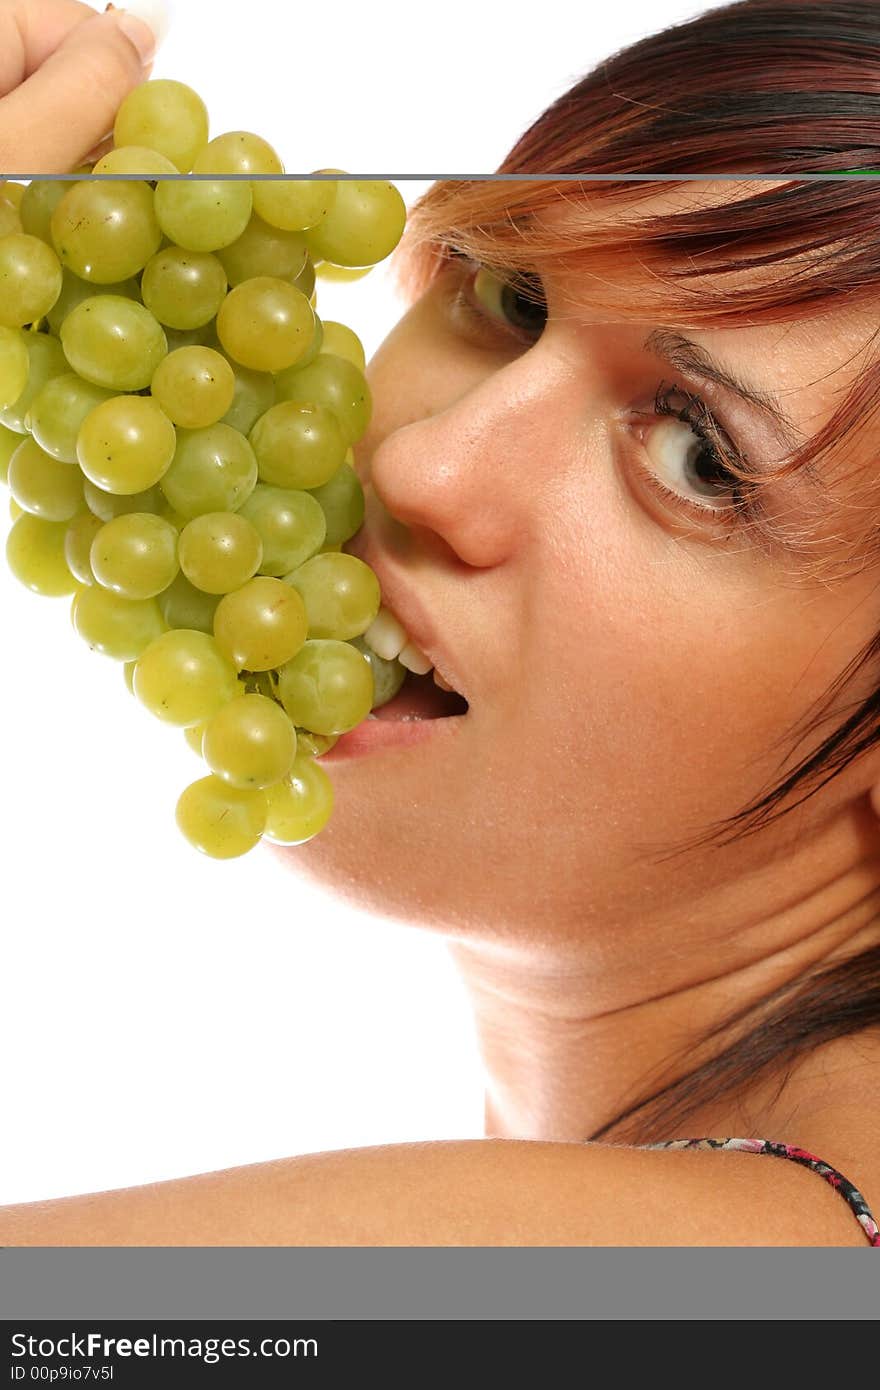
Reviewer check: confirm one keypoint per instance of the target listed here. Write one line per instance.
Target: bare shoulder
(511, 1192)
(490, 1192)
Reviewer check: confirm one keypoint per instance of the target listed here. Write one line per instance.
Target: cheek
(661, 679)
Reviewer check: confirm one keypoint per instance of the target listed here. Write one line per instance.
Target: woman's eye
(525, 312)
(689, 464)
(689, 467)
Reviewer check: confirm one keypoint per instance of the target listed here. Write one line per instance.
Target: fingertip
(154, 13)
(137, 32)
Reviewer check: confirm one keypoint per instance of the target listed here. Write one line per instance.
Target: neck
(571, 1035)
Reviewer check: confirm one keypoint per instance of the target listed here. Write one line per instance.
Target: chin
(435, 846)
(368, 864)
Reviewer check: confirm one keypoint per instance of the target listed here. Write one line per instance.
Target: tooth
(438, 680)
(414, 660)
(385, 635)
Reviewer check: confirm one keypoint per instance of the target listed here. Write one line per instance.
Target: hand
(64, 71)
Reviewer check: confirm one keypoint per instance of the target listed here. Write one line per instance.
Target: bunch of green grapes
(176, 431)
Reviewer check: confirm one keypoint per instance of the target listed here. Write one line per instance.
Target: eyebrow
(689, 356)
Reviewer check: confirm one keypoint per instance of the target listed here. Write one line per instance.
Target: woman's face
(630, 666)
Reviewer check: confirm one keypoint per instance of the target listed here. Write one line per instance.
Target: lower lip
(376, 735)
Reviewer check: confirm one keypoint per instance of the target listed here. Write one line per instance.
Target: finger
(106, 145)
(29, 33)
(67, 106)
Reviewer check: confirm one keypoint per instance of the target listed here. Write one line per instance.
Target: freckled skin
(629, 678)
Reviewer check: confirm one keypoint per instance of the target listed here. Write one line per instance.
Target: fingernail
(156, 13)
(138, 33)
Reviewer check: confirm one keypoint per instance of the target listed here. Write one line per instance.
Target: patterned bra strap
(848, 1192)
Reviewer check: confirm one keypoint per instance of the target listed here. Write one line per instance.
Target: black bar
(204, 1353)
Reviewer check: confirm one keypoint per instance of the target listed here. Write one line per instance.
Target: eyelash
(696, 414)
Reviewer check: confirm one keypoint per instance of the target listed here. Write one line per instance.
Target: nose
(469, 472)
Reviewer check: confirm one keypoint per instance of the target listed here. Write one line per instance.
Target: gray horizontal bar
(471, 178)
(303, 1283)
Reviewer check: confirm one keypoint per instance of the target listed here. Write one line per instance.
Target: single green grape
(341, 595)
(290, 524)
(213, 470)
(363, 227)
(194, 386)
(125, 444)
(183, 289)
(135, 555)
(134, 159)
(183, 677)
(165, 116)
(220, 551)
(297, 445)
(42, 485)
(250, 742)
(342, 502)
(30, 279)
(13, 366)
(45, 360)
(58, 411)
(254, 395)
(107, 505)
(38, 202)
(301, 805)
(183, 605)
(264, 250)
(334, 383)
(315, 745)
(342, 341)
(340, 274)
(266, 324)
(118, 627)
(204, 215)
(74, 291)
(78, 537)
(261, 625)
(237, 152)
(113, 342)
(294, 204)
(105, 232)
(221, 821)
(388, 676)
(35, 555)
(327, 687)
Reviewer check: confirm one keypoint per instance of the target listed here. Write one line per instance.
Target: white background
(163, 1014)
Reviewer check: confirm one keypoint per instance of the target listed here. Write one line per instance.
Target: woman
(620, 485)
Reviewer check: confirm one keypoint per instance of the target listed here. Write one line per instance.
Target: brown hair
(763, 86)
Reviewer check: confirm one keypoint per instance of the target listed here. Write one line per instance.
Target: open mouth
(420, 697)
